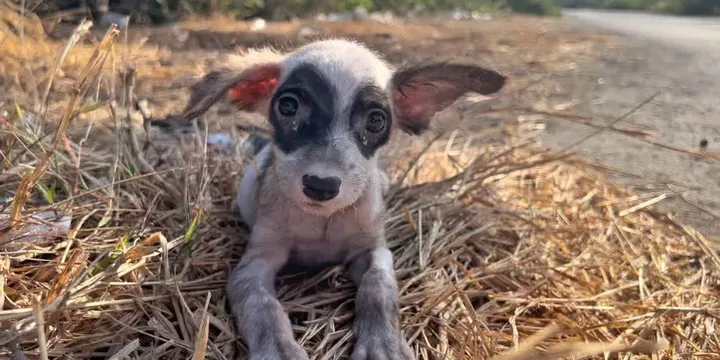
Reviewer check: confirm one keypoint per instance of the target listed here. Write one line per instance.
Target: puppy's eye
(376, 120)
(288, 105)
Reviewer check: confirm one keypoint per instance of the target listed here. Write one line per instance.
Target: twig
(582, 120)
(201, 339)
(126, 350)
(146, 167)
(575, 349)
(147, 121)
(80, 31)
(619, 119)
(154, 353)
(693, 153)
(559, 303)
(643, 205)
(709, 251)
(694, 204)
(40, 323)
(4, 267)
(16, 313)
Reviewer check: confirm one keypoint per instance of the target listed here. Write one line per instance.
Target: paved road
(680, 57)
(700, 34)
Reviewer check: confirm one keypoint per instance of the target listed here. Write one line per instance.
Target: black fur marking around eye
(370, 97)
(312, 124)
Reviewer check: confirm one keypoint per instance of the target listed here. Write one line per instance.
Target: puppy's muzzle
(321, 189)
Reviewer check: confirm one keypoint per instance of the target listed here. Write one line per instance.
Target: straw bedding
(500, 249)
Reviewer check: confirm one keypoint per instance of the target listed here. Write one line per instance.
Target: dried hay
(492, 247)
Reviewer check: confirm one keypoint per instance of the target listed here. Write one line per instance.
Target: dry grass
(498, 247)
(29, 58)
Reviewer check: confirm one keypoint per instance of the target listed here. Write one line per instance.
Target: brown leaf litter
(502, 250)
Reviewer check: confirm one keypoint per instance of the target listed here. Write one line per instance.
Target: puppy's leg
(376, 326)
(259, 316)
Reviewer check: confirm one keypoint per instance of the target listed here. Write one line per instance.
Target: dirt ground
(677, 59)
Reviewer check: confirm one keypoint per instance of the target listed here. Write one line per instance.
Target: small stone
(258, 24)
(703, 144)
(305, 31)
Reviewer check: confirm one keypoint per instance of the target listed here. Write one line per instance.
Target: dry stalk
(572, 118)
(526, 350)
(4, 269)
(80, 31)
(126, 351)
(617, 120)
(40, 326)
(137, 154)
(201, 338)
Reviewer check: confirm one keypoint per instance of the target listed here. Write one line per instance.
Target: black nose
(321, 189)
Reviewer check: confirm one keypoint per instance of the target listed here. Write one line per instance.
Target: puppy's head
(333, 104)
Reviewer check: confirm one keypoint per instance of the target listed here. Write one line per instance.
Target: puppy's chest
(321, 241)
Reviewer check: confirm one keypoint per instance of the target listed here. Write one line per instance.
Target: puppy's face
(333, 104)
(331, 112)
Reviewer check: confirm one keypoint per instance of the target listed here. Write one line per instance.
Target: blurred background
(158, 11)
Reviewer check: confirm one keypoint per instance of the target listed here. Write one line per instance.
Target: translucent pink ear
(245, 89)
(257, 87)
(420, 91)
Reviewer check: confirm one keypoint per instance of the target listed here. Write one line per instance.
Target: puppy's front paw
(382, 345)
(281, 350)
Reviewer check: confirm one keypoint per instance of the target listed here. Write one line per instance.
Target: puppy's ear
(420, 91)
(246, 89)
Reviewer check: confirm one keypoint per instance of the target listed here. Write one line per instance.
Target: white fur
(382, 258)
(345, 63)
(247, 188)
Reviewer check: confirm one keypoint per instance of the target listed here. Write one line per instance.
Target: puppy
(315, 193)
